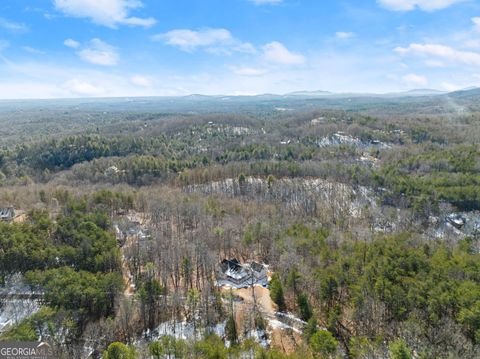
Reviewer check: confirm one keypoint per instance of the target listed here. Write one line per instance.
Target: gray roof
(7, 213)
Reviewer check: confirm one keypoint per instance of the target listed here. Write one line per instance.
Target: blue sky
(83, 48)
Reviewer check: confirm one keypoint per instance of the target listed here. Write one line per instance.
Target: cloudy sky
(83, 48)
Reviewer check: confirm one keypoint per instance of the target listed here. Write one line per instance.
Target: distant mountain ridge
(424, 101)
(302, 94)
(321, 93)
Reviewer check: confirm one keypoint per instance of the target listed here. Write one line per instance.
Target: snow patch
(18, 302)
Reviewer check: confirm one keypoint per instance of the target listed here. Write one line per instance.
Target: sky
(110, 48)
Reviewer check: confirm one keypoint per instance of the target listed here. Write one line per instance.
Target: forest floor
(20, 217)
(130, 241)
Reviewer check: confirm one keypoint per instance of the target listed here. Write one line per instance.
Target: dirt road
(283, 336)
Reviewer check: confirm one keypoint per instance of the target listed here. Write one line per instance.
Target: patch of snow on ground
(276, 324)
(185, 330)
(460, 225)
(178, 330)
(14, 311)
(260, 337)
(341, 138)
(291, 317)
(16, 302)
(286, 321)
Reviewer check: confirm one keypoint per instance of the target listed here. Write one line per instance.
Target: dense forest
(364, 215)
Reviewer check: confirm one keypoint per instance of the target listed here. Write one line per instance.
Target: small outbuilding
(7, 214)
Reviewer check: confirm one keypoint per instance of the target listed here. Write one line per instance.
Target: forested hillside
(362, 215)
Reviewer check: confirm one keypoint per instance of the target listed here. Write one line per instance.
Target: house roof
(6, 212)
(231, 265)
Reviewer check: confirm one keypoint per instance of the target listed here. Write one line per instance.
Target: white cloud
(190, 40)
(266, 2)
(137, 21)
(434, 63)
(442, 52)
(33, 79)
(343, 70)
(49, 16)
(245, 47)
(276, 53)
(448, 86)
(473, 80)
(71, 43)
(99, 52)
(426, 5)
(12, 26)
(141, 81)
(476, 23)
(471, 43)
(343, 35)
(110, 13)
(415, 80)
(4, 44)
(82, 88)
(216, 41)
(249, 71)
(33, 51)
